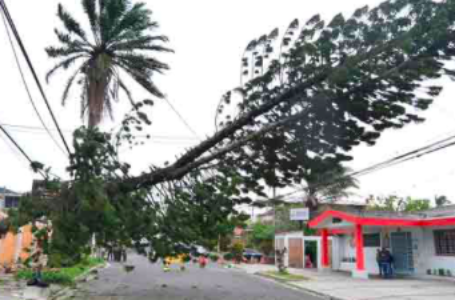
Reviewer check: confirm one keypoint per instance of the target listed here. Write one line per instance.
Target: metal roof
(4, 190)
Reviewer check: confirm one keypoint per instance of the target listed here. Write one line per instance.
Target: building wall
(424, 253)
(345, 248)
(433, 261)
(283, 240)
(14, 246)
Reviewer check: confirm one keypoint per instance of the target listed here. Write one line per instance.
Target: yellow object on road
(175, 259)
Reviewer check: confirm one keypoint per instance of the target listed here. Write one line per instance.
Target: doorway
(311, 251)
(402, 252)
(296, 253)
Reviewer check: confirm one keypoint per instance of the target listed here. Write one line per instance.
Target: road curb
(293, 285)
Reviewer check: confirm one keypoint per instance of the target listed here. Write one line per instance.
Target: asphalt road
(149, 282)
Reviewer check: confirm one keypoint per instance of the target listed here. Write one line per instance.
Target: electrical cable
(35, 108)
(19, 147)
(179, 115)
(414, 154)
(32, 69)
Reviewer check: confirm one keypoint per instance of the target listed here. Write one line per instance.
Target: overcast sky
(208, 38)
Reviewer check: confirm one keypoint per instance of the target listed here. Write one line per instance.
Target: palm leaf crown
(121, 41)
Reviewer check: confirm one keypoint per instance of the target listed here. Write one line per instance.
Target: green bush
(64, 276)
(214, 257)
(441, 272)
(228, 256)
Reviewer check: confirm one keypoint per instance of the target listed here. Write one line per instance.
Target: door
(296, 253)
(402, 252)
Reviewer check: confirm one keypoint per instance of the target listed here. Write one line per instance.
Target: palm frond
(70, 82)
(71, 25)
(130, 44)
(65, 64)
(143, 79)
(54, 52)
(142, 63)
(127, 92)
(134, 23)
(114, 14)
(66, 39)
(90, 10)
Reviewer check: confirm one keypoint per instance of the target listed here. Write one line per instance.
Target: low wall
(15, 246)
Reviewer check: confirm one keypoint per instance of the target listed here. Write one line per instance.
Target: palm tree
(121, 41)
(441, 201)
(330, 185)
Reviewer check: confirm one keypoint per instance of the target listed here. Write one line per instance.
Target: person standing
(378, 261)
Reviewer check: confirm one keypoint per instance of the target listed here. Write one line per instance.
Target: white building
(421, 243)
(8, 198)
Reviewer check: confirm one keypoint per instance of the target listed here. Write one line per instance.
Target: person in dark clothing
(386, 260)
(378, 260)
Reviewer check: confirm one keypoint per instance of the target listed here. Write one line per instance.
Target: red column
(325, 248)
(360, 258)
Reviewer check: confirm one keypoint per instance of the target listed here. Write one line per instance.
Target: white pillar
(18, 249)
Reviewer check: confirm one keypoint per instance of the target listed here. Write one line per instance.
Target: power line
(19, 147)
(32, 69)
(26, 85)
(414, 154)
(179, 115)
(37, 129)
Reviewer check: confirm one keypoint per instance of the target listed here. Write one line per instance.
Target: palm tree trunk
(96, 94)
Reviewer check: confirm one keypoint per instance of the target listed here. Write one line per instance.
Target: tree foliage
(307, 98)
(394, 203)
(441, 200)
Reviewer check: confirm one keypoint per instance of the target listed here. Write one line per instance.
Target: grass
(286, 276)
(63, 276)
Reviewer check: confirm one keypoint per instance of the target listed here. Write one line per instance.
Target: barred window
(372, 240)
(445, 242)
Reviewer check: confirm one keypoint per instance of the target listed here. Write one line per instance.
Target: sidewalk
(10, 289)
(341, 286)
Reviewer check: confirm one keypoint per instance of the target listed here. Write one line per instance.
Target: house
(303, 246)
(421, 243)
(8, 198)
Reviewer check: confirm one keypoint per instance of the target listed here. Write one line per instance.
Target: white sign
(300, 214)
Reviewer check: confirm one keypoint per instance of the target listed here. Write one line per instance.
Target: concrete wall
(432, 261)
(14, 246)
(286, 236)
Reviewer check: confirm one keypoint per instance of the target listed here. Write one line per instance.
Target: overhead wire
(182, 119)
(32, 69)
(19, 148)
(35, 108)
(410, 155)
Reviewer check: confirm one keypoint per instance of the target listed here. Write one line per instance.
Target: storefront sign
(300, 214)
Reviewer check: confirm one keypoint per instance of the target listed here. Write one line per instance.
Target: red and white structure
(421, 243)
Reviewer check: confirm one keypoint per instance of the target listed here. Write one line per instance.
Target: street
(148, 281)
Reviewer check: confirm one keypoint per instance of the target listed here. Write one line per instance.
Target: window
(11, 202)
(336, 220)
(372, 240)
(445, 242)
